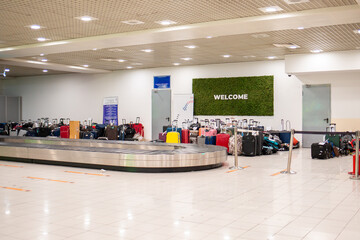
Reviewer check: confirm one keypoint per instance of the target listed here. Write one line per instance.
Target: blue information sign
(110, 111)
(161, 81)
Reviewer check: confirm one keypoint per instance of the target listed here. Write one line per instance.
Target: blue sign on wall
(110, 110)
(161, 81)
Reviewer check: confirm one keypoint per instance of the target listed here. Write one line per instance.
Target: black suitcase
(260, 143)
(44, 131)
(249, 145)
(321, 150)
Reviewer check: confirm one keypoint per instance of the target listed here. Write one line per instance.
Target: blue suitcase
(210, 140)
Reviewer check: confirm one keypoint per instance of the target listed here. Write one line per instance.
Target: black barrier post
(288, 169)
(356, 173)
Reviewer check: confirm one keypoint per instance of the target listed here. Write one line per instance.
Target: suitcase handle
(137, 121)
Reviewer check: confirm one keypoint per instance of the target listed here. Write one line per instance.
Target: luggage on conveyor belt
(173, 135)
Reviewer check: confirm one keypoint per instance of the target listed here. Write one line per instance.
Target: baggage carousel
(112, 155)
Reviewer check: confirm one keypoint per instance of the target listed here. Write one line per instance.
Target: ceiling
(238, 28)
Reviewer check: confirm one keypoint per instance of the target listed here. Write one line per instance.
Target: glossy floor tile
(319, 202)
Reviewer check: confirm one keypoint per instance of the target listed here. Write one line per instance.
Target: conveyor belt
(120, 155)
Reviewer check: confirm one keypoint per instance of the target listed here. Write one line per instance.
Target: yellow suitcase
(173, 137)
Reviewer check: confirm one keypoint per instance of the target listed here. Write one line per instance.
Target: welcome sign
(236, 96)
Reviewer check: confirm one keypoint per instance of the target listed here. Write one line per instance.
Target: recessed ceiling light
(166, 22)
(6, 70)
(85, 65)
(249, 56)
(35, 27)
(42, 39)
(271, 9)
(129, 67)
(44, 60)
(300, 28)
(191, 46)
(133, 22)
(121, 60)
(271, 57)
(296, 1)
(115, 50)
(35, 62)
(147, 50)
(176, 64)
(357, 31)
(109, 59)
(208, 37)
(86, 18)
(94, 49)
(286, 45)
(260, 35)
(316, 51)
(186, 59)
(41, 54)
(226, 56)
(45, 70)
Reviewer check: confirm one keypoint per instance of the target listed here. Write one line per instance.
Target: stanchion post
(288, 169)
(236, 158)
(356, 173)
(236, 148)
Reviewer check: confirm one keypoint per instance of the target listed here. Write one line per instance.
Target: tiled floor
(319, 203)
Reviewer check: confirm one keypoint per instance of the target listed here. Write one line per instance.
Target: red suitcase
(162, 136)
(185, 136)
(64, 131)
(139, 128)
(222, 139)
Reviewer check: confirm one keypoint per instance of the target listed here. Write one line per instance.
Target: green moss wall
(260, 91)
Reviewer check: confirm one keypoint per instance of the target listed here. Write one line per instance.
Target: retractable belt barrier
(293, 132)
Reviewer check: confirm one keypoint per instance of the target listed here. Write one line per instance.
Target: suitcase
(31, 133)
(74, 130)
(56, 132)
(86, 135)
(44, 131)
(222, 139)
(210, 140)
(260, 143)
(101, 130)
(95, 133)
(173, 137)
(249, 145)
(111, 132)
(129, 131)
(321, 150)
(170, 129)
(285, 137)
(335, 139)
(239, 144)
(162, 136)
(202, 131)
(210, 132)
(139, 128)
(185, 136)
(201, 140)
(64, 131)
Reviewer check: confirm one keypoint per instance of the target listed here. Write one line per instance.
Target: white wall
(79, 96)
(340, 61)
(345, 96)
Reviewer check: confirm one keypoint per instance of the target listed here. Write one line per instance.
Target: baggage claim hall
(179, 119)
